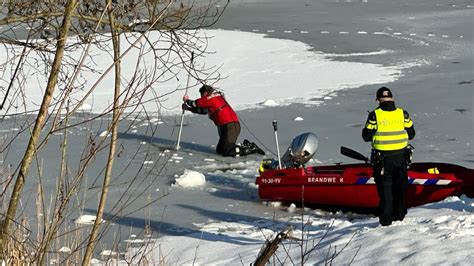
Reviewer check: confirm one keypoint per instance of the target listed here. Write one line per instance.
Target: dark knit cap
(206, 88)
(384, 92)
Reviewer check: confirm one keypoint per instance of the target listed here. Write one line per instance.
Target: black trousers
(391, 187)
(228, 135)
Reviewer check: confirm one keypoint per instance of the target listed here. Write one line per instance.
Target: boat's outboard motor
(301, 150)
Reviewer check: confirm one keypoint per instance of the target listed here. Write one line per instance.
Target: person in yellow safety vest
(389, 128)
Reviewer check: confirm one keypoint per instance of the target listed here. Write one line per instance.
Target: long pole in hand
(185, 93)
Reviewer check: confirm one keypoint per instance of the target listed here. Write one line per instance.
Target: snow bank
(440, 233)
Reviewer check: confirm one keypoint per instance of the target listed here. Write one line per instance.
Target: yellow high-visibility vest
(390, 131)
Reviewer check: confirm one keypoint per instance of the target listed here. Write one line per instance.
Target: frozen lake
(432, 41)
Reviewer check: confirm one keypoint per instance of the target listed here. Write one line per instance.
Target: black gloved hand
(184, 106)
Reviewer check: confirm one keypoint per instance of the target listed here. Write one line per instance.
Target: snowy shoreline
(257, 71)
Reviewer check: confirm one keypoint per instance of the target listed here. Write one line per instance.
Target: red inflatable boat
(352, 185)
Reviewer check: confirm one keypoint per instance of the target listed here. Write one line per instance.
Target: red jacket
(218, 109)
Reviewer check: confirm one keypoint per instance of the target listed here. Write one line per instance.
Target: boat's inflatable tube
(353, 185)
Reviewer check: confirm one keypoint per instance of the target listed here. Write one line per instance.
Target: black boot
(241, 150)
(248, 147)
(246, 143)
(256, 149)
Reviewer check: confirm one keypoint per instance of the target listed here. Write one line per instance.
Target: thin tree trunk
(40, 213)
(113, 142)
(53, 226)
(40, 121)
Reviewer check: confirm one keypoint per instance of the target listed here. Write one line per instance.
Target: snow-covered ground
(435, 234)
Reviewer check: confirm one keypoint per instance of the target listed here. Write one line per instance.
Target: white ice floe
(275, 204)
(212, 190)
(86, 219)
(108, 253)
(176, 157)
(190, 179)
(291, 208)
(105, 134)
(135, 241)
(269, 103)
(64, 250)
(373, 53)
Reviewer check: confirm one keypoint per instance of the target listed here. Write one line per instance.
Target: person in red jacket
(213, 103)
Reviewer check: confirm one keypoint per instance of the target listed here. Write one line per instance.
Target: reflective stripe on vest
(391, 134)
